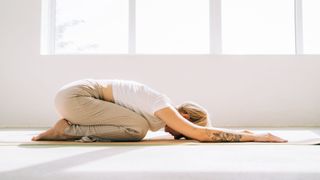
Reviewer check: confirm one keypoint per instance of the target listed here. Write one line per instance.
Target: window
(91, 26)
(311, 26)
(172, 26)
(258, 27)
(180, 27)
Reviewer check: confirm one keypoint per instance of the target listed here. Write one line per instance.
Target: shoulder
(166, 113)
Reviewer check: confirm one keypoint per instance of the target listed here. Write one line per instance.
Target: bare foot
(55, 133)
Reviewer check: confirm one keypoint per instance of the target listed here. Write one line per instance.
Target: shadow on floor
(42, 170)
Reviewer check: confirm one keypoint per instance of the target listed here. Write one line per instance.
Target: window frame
(298, 21)
(215, 46)
(48, 14)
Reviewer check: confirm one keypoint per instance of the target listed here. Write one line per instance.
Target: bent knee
(136, 134)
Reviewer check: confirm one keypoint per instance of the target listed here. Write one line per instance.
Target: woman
(121, 110)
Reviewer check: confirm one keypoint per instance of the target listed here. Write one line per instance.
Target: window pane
(258, 27)
(91, 26)
(172, 26)
(311, 26)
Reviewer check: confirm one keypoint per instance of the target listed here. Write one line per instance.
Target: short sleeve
(160, 102)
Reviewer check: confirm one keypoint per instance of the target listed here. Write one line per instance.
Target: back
(140, 98)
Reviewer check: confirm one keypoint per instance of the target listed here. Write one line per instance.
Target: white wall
(237, 90)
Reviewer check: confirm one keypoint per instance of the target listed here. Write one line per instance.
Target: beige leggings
(81, 103)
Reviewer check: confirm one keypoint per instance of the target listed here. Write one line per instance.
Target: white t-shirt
(141, 99)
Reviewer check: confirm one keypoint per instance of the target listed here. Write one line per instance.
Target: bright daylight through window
(258, 27)
(181, 27)
(91, 26)
(172, 26)
(311, 26)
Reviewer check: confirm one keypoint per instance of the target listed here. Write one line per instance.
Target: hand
(268, 137)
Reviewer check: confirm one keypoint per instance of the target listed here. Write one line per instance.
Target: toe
(35, 138)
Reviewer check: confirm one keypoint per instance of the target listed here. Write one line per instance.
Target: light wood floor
(20, 160)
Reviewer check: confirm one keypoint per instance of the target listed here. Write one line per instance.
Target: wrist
(248, 138)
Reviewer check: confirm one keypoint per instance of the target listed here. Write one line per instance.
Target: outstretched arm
(210, 134)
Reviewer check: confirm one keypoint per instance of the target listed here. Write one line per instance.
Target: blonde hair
(198, 114)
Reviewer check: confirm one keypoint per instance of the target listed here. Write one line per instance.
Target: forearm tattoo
(223, 136)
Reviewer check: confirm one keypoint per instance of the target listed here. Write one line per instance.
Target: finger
(281, 140)
(284, 140)
(35, 138)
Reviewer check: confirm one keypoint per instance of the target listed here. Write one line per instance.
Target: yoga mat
(153, 143)
(22, 138)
